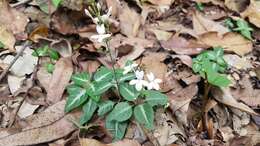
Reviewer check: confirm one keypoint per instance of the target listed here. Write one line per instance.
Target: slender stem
(113, 65)
(205, 100)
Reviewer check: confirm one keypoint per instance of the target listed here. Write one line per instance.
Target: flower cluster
(100, 21)
(140, 82)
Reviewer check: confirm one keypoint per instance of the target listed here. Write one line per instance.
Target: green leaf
(50, 67)
(2, 45)
(103, 74)
(56, 3)
(102, 87)
(121, 112)
(88, 111)
(196, 67)
(117, 129)
(218, 80)
(105, 107)
(155, 98)
(40, 52)
(77, 96)
(144, 114)
(128, 92)
(199, 6)
(127, 77)
(243, 28)
(53, 54)
(81, 79)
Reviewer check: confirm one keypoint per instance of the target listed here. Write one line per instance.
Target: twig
(3, 74)
(20, 3)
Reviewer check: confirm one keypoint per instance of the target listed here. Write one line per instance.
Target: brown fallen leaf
(153, 62)
(215, 2)
(7, 38)
(185, 59)
(253, 12)
(161, 2)
(182, 46)
(238, 6)
(93, 142)
(180, 100)
(12, 19)
(238, 62)
(44, 77)
(60, 79)
(247, 93)
(130, 21)
(224, 96)
(230, 41)
(203, 25)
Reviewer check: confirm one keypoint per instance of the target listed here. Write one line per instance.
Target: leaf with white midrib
(76, 97)
(155, 98)
(105, 107)
(102, 87)
(103, 74)
(128, 92)
(88, 111)
(144, 114)
(121, 112)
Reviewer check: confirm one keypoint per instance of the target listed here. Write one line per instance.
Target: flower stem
(113, 66)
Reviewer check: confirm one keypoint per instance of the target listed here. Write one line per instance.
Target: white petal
(150, 76)
(88, 13)
(126, 70)
(100, 38)
(139, 74)
(101, 29)
(150, 86)
(95, 20)
(138, 86)
(157, 80)
(156, 86)
(145, 83)
(134, 65)
(133, 82)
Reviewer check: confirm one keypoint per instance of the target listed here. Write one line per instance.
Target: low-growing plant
(46, 51)
(1, 45)
(240, 26)
(211, 66)
(56, 3)
(199, 6)
(132, 97)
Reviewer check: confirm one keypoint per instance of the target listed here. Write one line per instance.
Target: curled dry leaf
(7, 38)
(253, 12)
(180, 100)
(224, 96)
(26, 109)
(15, 83)
(44, 77)
(9, 15)
(230, 41)
(235, 5)
(203, 25)
(182, 46)
(93, 142)
(185, 59)
(238, 62)
(60, 79)
(130, 21)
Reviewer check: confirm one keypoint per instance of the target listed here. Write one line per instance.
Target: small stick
(3, 74)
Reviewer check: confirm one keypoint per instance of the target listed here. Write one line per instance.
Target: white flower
(101, 29)
(153, 82)
(129, 68)
(101, 37)
(88, 14)
(139, 82)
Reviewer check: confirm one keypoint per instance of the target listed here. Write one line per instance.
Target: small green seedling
(2, 45)
(211, 66)
(56, 3)
(47, 52)
(86, 92)
(199, 6)
(240, 26)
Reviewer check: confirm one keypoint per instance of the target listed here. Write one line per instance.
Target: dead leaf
(9, 15)
(130, 21)
(161, 35)
(185, 59)
(24, 65)
(170, 83)
(230, 42)
(253, 12)
(238, 62)
(7, 38)
(247, 93)
(203, 25)
(182, 46)
(238, 6)
(180, 100)
(224, 96)
(63, 47)
(115, 4)
(60, 79)
(161, 2)
(215, 2)
(26, 109)
(93, 142)
(15, 83)
(39, 32)
(153, 62)
(44, 77)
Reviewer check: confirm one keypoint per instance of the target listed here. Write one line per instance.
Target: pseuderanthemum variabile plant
(135, 95)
